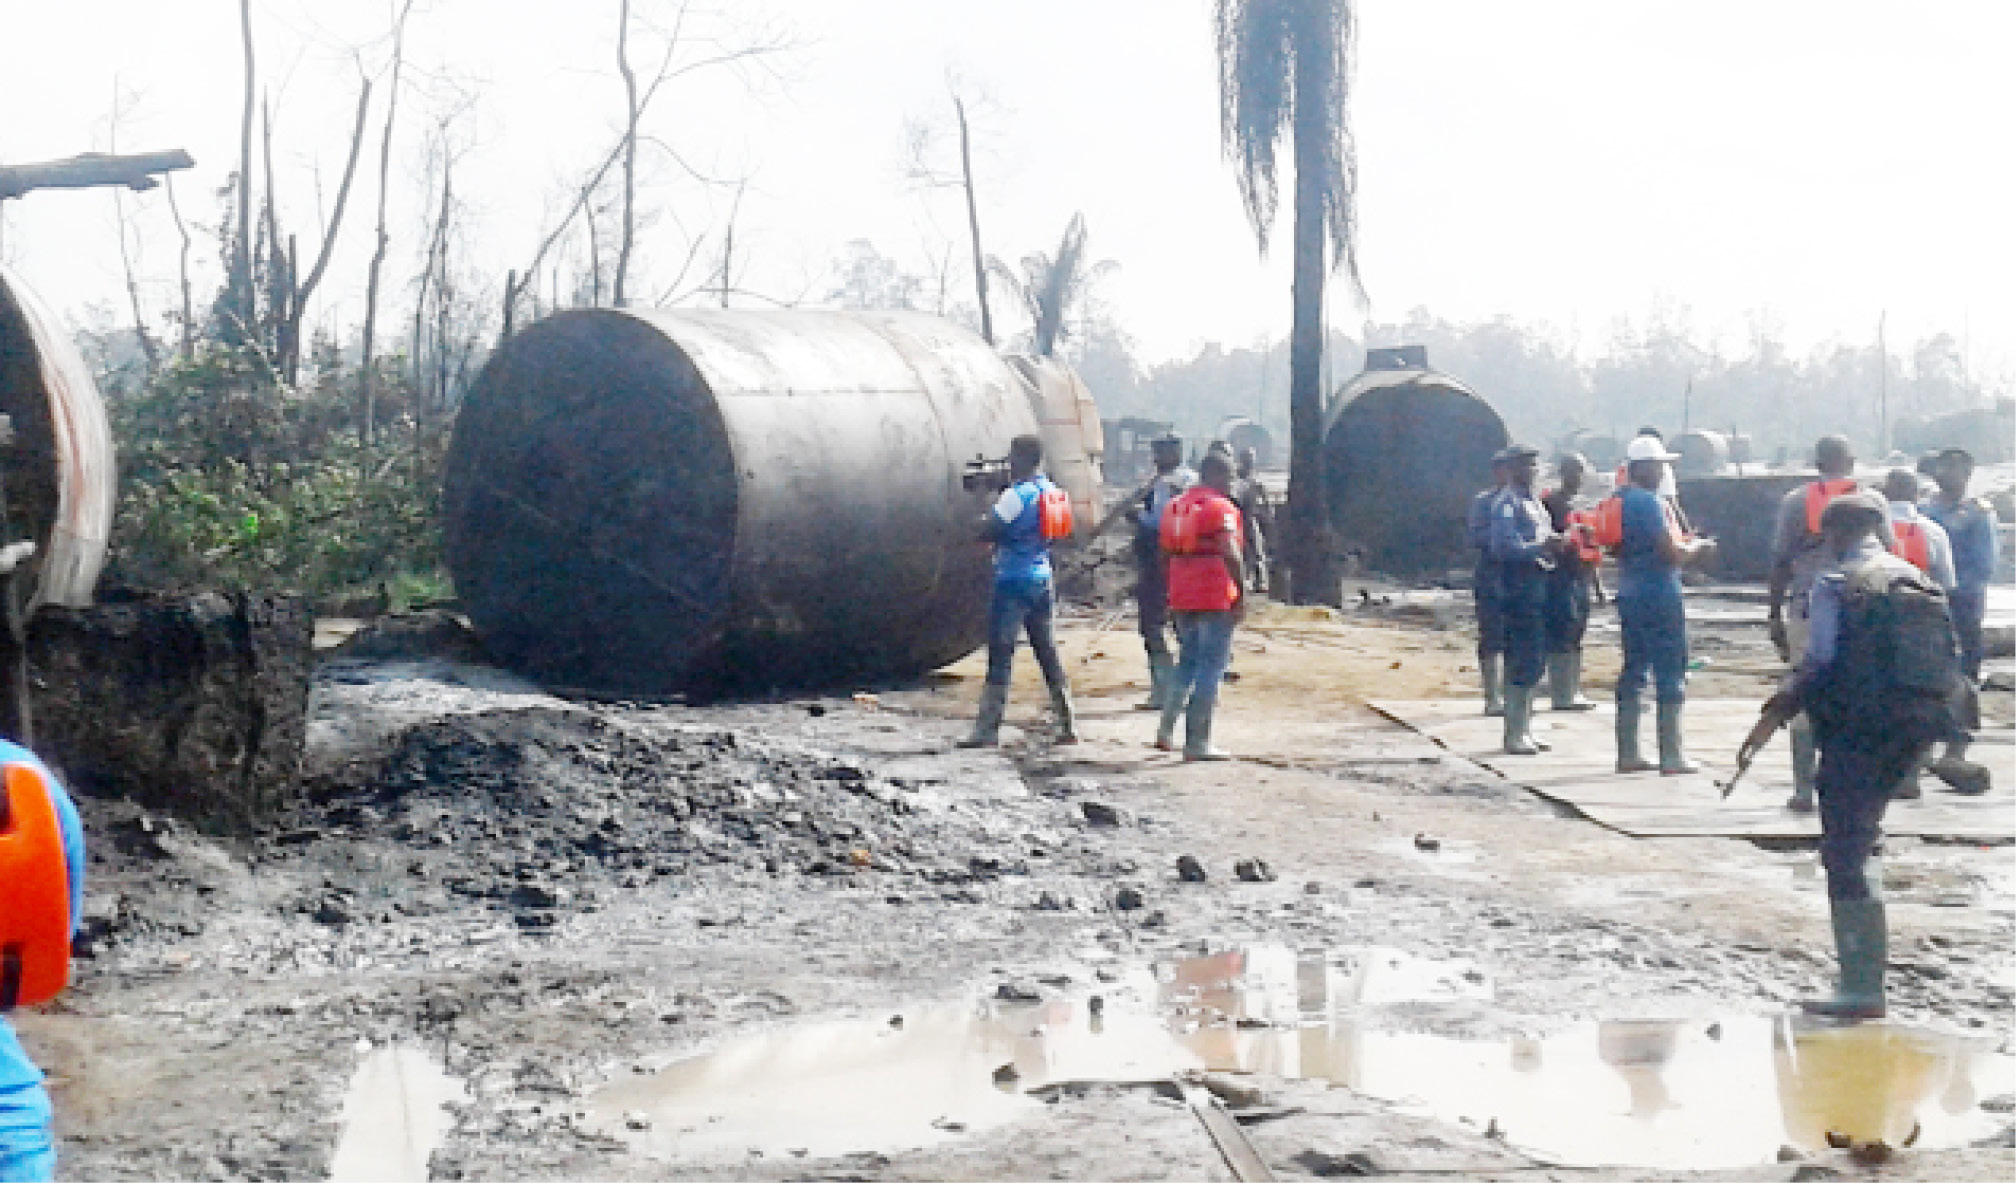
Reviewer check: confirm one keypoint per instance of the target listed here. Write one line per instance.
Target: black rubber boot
(1066, 713)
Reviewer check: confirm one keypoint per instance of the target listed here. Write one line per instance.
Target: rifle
(1773, 716)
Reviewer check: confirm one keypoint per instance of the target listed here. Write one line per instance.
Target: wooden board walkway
(1579, 772)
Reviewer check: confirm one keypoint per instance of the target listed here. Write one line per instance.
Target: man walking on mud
(1151, 589)
(1024, 521)
(1876, 677)
(1207, 595)
(1797, 556)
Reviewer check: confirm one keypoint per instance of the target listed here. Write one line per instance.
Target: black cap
(1956, 454)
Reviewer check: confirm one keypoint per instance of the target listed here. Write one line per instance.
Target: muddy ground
(551, 897)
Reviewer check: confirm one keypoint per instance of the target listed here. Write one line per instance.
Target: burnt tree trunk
(1307, 549)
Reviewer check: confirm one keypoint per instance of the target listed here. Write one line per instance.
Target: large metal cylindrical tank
(1243, 433)
(654, 500)
(1600, 449)
(1404, 451)
(62, 477)
(1073, 439)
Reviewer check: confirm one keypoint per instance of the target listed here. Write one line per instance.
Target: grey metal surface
(62, 476)
(1404, 452)
(655, 500)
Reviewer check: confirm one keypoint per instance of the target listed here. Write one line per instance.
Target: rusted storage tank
(61, 475)
(1702, 453)
(1243, 433)
(644, 501)
(1740, 513)
(1405, 448)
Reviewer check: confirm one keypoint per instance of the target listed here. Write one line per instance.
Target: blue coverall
(27, 1133)
(1649, 605)
(1520, 533)
(1484, 586)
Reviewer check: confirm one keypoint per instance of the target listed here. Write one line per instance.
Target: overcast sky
(1813, 163)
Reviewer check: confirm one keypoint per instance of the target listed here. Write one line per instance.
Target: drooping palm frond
(1049, 286)
(1284, 69)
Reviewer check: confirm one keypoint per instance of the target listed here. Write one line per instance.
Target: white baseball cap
(1647, 447)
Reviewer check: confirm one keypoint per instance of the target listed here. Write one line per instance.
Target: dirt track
(551, 897)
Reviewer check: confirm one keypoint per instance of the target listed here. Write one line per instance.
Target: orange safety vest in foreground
(1607, 522)
(1818, 494)
(1914, 546)
(1582, 524)
(34, 892)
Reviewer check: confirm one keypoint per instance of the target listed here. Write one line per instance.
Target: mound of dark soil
(549, 790)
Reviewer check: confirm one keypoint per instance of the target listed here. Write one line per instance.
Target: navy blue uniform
(1520, 536)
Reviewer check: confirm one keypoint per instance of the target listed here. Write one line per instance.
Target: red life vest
(1187, 529)
(1582, 532)
(1914, 546)
(1818, 494)
(1053, 507)
(34, 892)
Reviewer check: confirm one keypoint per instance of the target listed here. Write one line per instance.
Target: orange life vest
(34, 892)
(1582, 531)
(1818, 494)
(1054, 509)
(1606, 522)
(1914, 546)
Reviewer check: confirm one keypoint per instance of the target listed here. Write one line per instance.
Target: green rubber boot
(1673, 759)
(987, 726)
(1161, 676)
(1172, 713)
(1492, 670)
(1066, 714)
(1197, 731)
(1862, 945)
(1629, 757)
(1519, 739)
(1564, 682)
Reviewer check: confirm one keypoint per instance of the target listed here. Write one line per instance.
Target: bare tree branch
(367, 373)
(632, 113)
(308, 286)
(188, 347)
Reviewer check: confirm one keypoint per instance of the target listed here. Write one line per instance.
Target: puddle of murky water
(1654, 1094)
(394, 1115)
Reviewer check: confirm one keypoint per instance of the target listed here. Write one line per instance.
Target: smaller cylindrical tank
(1243, 433)
(1404, 452)
(1702, 453)
(61, 473)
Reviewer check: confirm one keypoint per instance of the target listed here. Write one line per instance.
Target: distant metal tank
(1702, 453)
(1740, 513)
(1074, 444)
(1405, 449)
(1600, 449)
(655, 500)
(1243, 433)
(62, 474)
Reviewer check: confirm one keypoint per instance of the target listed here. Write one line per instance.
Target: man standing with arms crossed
(1024, 521)
(1797, 556)
(1207, 595)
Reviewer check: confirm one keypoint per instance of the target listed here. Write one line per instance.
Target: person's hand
(15, 554)
(1779, 640)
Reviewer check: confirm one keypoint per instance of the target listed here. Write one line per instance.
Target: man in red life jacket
(1797, 558)
(1921, 542)
(1207, 597)
(1576, 578)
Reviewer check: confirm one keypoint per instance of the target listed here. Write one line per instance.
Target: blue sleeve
(1823, 636)
(72, 827)
(1508, 542)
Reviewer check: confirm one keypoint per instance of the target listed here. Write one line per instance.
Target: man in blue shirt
(1484, 588)
(1969, 523)
(1524, 548)
(27, 1134)
(1650, 609)
(1023, 597)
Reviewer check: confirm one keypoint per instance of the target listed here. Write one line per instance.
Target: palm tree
(1284, 68)
(1051, 285)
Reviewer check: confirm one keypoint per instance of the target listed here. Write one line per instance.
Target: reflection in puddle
(1655, 1094)
(393, 1116)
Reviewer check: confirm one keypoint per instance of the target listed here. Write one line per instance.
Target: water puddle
(1653, 1094)
(394, 1116)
